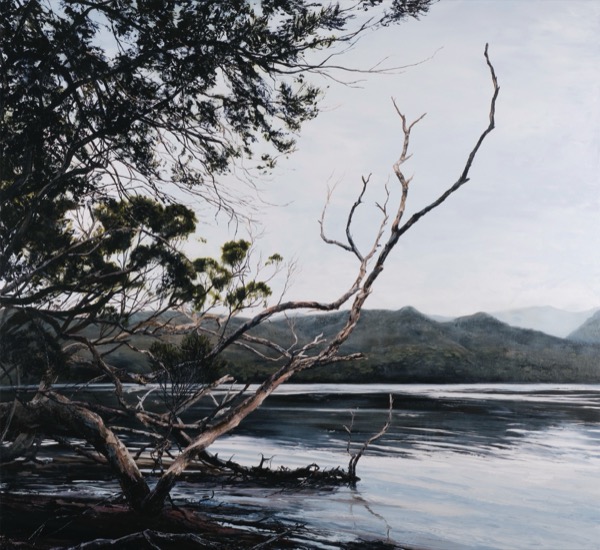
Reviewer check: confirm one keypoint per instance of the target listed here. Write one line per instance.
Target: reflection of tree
(359, 500)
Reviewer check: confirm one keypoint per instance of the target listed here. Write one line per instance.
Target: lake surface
(461, 467)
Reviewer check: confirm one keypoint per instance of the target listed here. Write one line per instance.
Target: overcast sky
(526, 229)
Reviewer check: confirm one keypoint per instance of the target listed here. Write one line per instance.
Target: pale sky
(525, 230)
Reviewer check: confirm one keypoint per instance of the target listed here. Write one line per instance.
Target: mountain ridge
(407, 346)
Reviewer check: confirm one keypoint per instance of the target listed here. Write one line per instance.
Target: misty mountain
(588, 331)
(550, 320)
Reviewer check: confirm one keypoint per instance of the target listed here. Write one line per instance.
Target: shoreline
(44, 522)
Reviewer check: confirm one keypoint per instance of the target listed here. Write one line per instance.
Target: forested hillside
(406, 346)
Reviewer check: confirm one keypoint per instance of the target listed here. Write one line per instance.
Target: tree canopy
(110, 110)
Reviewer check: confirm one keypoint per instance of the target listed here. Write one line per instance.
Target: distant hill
(588, 331)
(553, 321)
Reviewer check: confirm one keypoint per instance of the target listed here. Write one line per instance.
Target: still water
(461, 467)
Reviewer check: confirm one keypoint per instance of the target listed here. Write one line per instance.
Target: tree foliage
(108, 106)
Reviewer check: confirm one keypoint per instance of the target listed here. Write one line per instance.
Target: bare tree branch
(355, 457)
(361, 289)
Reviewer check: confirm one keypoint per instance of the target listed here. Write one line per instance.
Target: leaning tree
(114, 115)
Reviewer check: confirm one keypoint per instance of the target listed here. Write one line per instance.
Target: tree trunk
(54, 413)
(156, 499)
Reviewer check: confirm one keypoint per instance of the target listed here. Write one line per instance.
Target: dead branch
(355, 457)
(366, 282)
(351, 246)
(464, 176)
(200, 393)
(311, 474)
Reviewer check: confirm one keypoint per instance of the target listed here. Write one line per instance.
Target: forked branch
(464, 176)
